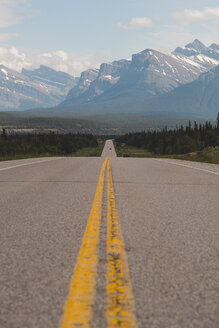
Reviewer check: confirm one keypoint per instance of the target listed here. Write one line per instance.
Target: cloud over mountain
(189, 15)
(73, 63)
(137, 23)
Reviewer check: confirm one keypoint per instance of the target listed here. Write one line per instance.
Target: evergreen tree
(178, 141)
(52, 143)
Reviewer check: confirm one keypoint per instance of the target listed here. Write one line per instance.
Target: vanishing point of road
(109, 242)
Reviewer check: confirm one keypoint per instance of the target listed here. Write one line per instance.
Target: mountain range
(149, 74)
(184, 81)
(152, 82)
(41, 87)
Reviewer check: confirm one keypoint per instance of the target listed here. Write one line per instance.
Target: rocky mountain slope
(93, 83)
(149, 74)
(198, 97)
(50, 78)
(42, 87)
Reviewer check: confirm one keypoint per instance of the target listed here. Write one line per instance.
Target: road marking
(78, 310)
(191, 167)
(120, 299)
(31, 163)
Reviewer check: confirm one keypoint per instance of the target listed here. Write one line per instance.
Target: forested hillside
(44, 144)
(178, 141)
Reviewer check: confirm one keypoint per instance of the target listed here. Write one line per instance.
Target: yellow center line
(120, 299)
(78, 310)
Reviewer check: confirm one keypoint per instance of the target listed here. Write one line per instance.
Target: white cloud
(47, 55)
(61, 54)
(3, 51)
(189, 16)
(72, 63)
(14, 52)
(137, 23)
(12, 12)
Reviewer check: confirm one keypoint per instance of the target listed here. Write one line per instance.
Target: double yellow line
(79, 307)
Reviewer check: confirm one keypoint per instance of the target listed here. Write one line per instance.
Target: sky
(75, 35)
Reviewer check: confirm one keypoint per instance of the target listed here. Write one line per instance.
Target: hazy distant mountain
(42, 87)
(17, 91)
(150, 73)
(51, 78)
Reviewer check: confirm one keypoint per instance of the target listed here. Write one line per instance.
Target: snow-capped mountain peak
(196, 48)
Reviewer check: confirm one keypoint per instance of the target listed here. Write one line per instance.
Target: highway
(109, 242)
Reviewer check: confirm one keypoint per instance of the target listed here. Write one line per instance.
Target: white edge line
(12, 167)
(191, 167)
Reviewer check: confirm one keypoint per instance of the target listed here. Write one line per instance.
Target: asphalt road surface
(169, 216)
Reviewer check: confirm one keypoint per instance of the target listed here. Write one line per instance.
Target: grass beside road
(207, 155)
(122, 150)
(91, 152)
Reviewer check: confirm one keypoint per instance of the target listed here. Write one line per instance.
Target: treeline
(39, 144)
(12, 121)
(178, 141)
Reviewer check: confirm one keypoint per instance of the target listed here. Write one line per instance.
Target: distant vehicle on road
(110, 149)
